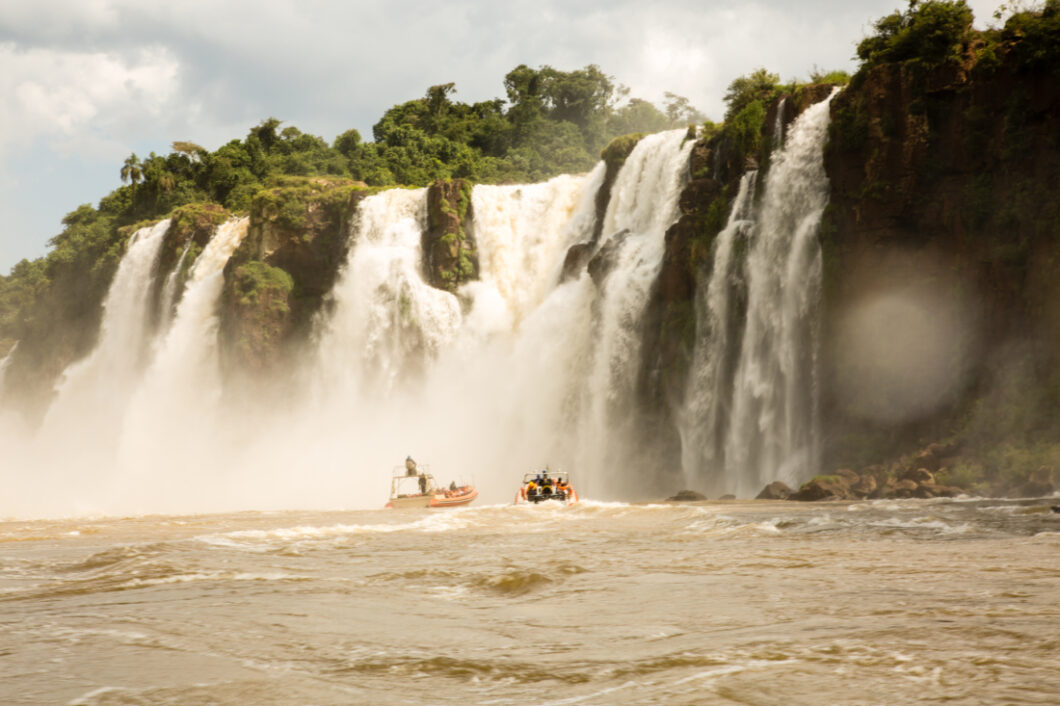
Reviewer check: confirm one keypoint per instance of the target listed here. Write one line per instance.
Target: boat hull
(453, 498)
(448, 498)
(410, 501)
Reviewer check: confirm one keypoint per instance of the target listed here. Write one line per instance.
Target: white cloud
(81, 102)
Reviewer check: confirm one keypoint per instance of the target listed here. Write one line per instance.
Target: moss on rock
(276, 281)
(449, 251)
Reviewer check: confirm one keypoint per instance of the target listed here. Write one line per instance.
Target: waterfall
(523, 232)
(719, 309)
(772, 432)
(465, 381)
(92, 392)
(388, 323)
(3, 369)
(511, 372)
(643, 205)
(169, 291)
(181, 388)
(778, 125)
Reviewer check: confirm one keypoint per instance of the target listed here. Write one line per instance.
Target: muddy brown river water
(887, 602)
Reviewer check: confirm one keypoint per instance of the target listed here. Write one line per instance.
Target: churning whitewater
(888, 602)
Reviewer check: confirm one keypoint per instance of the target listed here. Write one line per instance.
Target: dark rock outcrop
(776, 490)
(823, 488)
(578, 256)
(943, 198)
(449, 251)
(601, 264)
(276, 281)
(685, 496)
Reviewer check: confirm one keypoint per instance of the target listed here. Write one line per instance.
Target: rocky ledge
(925, 475)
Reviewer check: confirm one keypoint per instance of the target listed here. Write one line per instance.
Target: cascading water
(387, 322)
(166, 301)
(4, 364)
(643, 205)
(93, 392)
(181, 388)
(719, 306)
(514, 371)
(407, 368)
(523, 233)
(772, 431)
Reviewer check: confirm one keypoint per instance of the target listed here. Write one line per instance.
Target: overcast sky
(85, 83)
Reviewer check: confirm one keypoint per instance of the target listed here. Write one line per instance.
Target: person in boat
(531, 487)
(410, 466)
(423, 484)
(452, 485)
(561, 486)
(546, 483)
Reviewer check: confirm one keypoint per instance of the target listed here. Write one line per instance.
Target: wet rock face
(278, 278)
(943, 185)
(449, 251)
(823, 488)
(578, 255)
(685, 496)
(601, 264)
(776, 490)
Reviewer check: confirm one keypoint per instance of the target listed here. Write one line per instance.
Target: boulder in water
(918, 475)
(850, 476)
(449, 249)
(777, 490)
(1038, 484)
(864, 487)
(905, 488)
(687, 496)
(823, 488)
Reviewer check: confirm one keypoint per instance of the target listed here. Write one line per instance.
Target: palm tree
(132, 171)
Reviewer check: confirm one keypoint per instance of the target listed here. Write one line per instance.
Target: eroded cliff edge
(941, 244)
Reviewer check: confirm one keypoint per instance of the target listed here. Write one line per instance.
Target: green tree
(759, 85)
(132, 170)
(933, 32)
(637, 116)
(679, 111)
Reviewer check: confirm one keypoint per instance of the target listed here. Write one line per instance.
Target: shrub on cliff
(1035, 37)
(933, 32)
(758, 86)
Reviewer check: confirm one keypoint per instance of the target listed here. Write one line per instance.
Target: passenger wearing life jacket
(531, 489)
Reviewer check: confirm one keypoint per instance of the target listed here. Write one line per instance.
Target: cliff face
(278, 278)
(942, 260)
(449, 252)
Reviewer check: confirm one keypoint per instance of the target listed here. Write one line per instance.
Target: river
(738, 602)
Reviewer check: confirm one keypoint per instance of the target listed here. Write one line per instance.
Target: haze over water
(602, 603)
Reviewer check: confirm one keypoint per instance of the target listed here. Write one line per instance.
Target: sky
(85, 83)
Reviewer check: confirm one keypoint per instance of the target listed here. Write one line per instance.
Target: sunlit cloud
(82, 102)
